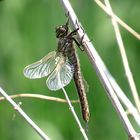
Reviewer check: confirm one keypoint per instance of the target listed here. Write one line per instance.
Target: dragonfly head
(61, 31)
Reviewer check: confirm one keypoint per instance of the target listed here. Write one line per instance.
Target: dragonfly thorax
(65, 46)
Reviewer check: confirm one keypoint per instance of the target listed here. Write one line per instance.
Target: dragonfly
(61, 66)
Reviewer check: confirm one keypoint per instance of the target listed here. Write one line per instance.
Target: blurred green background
(27, 33)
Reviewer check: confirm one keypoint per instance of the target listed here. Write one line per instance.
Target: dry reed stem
(24, 115)
(124, 58)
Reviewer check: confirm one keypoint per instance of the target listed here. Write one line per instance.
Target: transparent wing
(42, 67)
(61, 76)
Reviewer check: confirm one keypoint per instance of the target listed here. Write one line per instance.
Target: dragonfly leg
(67, 15)
(73, 32)
(79, 44)
(79, 25)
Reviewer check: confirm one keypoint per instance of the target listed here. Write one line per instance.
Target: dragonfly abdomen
(82, 95)
(80, 87)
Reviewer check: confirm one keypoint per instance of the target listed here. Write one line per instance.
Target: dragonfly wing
(42, 67)
(61, 76)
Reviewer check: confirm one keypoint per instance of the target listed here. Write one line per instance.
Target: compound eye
(61, 31)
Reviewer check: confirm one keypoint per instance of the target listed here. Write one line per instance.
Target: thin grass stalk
(121, 22)
(75, 115)
(39, 96)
